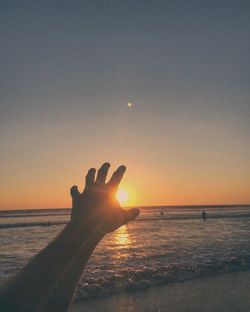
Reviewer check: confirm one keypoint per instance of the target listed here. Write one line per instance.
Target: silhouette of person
(48, 281)
(204, 215)
(162, 213)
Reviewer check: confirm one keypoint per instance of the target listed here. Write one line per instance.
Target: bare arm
(48, 281)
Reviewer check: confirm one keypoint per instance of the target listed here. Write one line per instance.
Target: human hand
(97, 204)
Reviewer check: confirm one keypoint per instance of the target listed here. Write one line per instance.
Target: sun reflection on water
(122, 237)
(121, 243)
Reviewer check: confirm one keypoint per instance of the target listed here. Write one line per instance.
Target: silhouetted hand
(60, 264)
(97, 204)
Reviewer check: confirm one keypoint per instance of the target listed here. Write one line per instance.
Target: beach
(222, 293)
(156, 263)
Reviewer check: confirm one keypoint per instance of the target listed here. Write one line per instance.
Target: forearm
(48, 281)
(54, 272)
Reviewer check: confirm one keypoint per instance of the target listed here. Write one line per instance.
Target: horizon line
(137, 206)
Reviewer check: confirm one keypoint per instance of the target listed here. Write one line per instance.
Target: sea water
(164, 245)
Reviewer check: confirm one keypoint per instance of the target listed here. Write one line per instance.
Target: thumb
(74, 192)
(131, 214)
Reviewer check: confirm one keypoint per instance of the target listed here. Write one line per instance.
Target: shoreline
(228, 293)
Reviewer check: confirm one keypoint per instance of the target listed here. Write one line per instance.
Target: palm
(97, 203)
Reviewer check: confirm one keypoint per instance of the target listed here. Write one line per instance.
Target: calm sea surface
(152, 250)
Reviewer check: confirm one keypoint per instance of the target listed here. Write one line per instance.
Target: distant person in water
(162, 213)
(48, 281)
(204, 215)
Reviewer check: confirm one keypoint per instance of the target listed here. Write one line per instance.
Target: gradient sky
(68, 70)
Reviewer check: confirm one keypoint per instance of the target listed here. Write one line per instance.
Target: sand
(223, 293)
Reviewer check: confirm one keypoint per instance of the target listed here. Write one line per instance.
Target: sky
(68, 70)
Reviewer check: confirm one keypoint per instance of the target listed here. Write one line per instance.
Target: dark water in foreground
(152, 250)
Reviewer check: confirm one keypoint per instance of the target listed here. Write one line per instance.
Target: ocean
(164, 245)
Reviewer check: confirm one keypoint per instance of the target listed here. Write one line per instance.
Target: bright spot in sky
(129, 104)
(122, 196)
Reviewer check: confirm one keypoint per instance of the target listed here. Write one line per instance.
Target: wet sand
(222, 293)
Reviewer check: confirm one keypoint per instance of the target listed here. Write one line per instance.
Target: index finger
(117, 177)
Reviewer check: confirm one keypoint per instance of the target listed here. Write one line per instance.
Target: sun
(126, 195)
(122, 196)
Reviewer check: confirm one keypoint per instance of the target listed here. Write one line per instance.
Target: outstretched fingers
(117, 177)
(90, 177)
(102, 173)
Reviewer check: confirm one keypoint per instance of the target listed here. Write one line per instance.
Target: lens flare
(122, 196)
(126, 195)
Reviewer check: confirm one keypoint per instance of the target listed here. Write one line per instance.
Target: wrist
(82, 231)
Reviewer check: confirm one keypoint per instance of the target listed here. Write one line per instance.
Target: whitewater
(164, 245)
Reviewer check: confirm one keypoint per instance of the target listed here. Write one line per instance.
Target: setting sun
(126, 195)
(122, 196)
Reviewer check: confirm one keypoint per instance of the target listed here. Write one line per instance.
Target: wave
(193, 217)
(27, 224)
(148, 277)
(140, 219)
(34, 215)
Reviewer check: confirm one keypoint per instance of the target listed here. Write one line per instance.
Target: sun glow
(126, 196)
(122, 196)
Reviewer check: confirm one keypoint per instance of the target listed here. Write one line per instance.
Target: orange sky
(47, 186)
(202, 163)
(70, 72)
